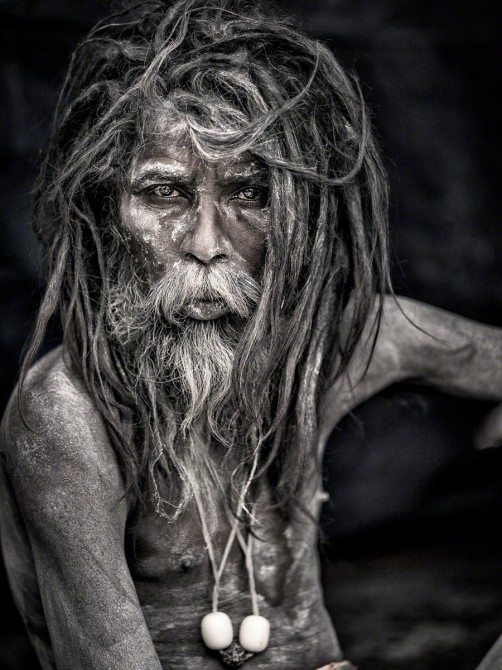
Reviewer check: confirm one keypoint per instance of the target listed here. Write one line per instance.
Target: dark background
(411, 549)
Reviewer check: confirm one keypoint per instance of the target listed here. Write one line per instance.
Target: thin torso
(173, 579)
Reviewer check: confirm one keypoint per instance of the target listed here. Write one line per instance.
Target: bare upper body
(103, 585)
(211, 174)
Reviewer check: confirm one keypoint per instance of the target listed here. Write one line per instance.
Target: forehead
(167, 142)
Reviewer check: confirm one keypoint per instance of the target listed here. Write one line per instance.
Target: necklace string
(246, 547)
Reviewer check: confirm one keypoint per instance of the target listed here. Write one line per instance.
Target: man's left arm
(451, 353)
(416, 342)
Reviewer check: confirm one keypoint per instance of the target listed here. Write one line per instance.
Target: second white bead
(254, 633)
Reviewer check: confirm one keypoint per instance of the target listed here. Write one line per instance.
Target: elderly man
(213, 214)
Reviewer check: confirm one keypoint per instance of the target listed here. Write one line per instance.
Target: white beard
(191, 360)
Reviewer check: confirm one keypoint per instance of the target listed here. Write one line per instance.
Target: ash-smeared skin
(67, 477)
(287, 581)
(206, 220)
(120, 590)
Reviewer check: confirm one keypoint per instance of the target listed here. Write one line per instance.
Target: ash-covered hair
(243, 79)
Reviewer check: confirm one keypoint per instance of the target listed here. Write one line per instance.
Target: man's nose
(205, 242)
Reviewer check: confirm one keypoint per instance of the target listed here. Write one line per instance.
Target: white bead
(216, 630)
(254, 633)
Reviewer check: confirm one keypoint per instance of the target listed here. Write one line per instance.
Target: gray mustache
(188, 283)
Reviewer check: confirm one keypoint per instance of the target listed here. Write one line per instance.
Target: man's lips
(205, 310)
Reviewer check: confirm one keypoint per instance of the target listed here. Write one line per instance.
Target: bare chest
(173, 557)
(173, 578)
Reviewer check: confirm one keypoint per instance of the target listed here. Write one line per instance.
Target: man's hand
(489, 432)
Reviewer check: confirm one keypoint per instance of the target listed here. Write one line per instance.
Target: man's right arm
(69, 491)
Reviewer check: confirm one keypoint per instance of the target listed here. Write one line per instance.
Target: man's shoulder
(50, 391)
(52, 374)
(381, 336)
(408, 340)
(377, 361)
(52, 417)
(393, 328)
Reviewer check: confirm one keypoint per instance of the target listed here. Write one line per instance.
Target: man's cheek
(149, 254)
(249, 246)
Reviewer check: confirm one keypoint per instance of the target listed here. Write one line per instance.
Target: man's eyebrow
(160, 173)
(184, 177)
(245, 177)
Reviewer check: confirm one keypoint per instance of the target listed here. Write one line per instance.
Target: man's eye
(251, 194)
(164, 191)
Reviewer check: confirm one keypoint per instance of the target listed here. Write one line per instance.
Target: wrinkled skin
(178, 208)
(101, 584)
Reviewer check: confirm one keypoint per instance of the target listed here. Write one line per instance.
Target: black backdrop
(403, 467)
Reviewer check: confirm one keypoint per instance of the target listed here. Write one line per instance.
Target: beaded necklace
(216, 627)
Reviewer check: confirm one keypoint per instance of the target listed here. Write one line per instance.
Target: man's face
(178, 209)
